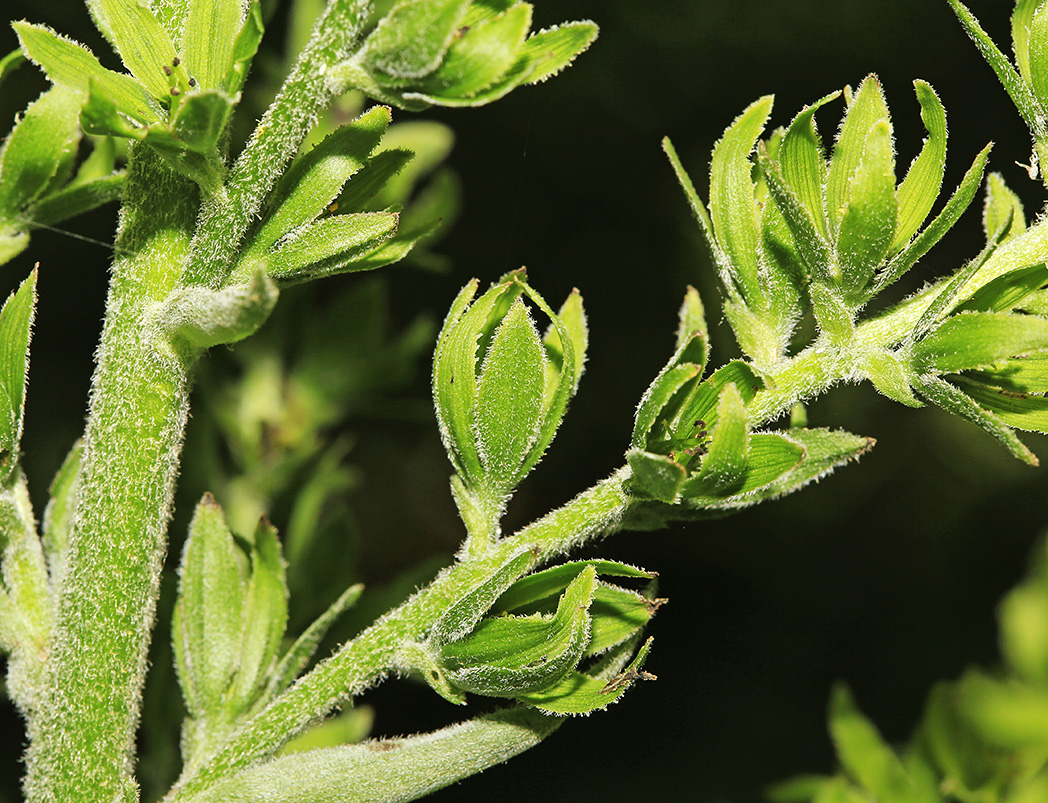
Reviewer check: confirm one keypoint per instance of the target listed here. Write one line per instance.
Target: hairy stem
(81, 742)
(305, 92)
(367, 658)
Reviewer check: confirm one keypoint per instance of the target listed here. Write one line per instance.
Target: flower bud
(458, 53)
(501, 390)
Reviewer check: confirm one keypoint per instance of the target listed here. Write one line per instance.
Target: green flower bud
(458, 53)
(501, 391)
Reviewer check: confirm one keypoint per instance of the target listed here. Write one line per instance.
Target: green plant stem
(81, 742)
(373, 654)
(305, 92)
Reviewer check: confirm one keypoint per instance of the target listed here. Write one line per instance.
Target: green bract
(501, 391)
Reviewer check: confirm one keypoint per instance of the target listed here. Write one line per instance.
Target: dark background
(885, 575)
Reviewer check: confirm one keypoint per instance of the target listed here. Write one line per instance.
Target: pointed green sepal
(16, 322)
(920, 188)
(208, 613)
(657, 476)
(58, 515)
(462, 616)
(1020, 410)
(1002, 204)
(802, 160)
(725, 462)
(411, 40)
(733, 207)
(331, 245)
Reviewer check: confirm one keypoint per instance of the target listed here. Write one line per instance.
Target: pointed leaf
(58, 516)
(1038, 43)
(833, 315)
(208, 612)
(11, 62)
(732, 203)
(1007, 292)
(1019, 410)
(72, 65)
(920, 188)
(821, 452)
(209, 38)
(1022, 17)
(411, 40)
(316, 178)
(1000, 205)
(770, 456)
(725, 462)
(16, 322)
(866, 108)
(888, 374)
(508, 655)
(579, 693)
(509, 397)
(245, 47)
(1018, 90)
(265, 616)
(936, 230)
(657, 397)
(698, 208)
(979, 339)
(803, 161)
(143, 44)
(867, 224)
(573, 316)
(1028, 374)
(34, 151)
(200, 119)
(330, 246)
(552, 49)
(656, 475)
(549, 583)
(462, 616)
(691, 320)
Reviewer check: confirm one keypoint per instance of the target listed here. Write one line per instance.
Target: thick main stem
(81, 741)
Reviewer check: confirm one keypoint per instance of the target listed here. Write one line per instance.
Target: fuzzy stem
(81, 742)
(305, 92)
(372, 654)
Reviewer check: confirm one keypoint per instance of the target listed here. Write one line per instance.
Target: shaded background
(885, 574)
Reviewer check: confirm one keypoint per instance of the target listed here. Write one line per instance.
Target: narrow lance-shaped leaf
(725, 463)
(1018, 90)
(208, 612)
(58, 515)
(1029, 413)
(72, 65)
(16, 321)
(978, 339)
(411, 39)
(509, 398)
(480, 55)
(332, 245)
(656, 475)
(35, 150)
(936, 230)
(1001, 204)
(1038, 68)
(732, 203)
(920, 188)
(208, 40)
(551, 50)
(265, 616)
(1022, 16)
(803, 161)
(549, 583)
(866, 108)
(316, 179)
(868, 222)
(144, 46)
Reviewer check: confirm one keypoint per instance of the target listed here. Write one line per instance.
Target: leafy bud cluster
(458, 53)
(501, 391)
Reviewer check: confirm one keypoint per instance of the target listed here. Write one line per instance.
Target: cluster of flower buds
(562, 640)
(458, 53)
(501, 391)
